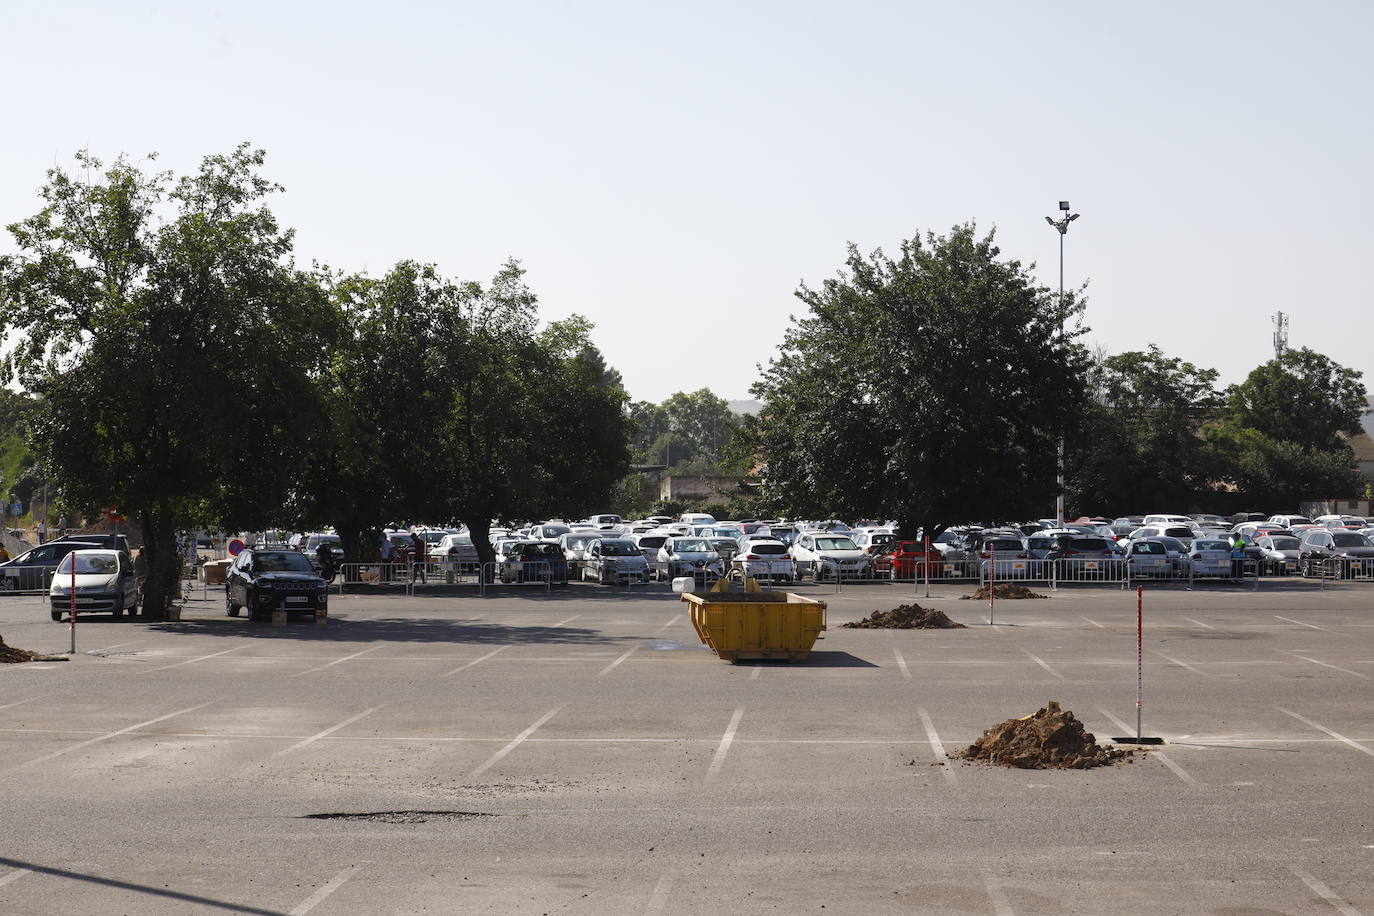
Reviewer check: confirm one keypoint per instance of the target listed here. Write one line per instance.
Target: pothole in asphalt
(399, 817)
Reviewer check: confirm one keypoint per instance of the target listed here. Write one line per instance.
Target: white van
(1168, 520)
(696, 518)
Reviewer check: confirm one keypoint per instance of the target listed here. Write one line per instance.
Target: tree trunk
(163, 584)
(352, 538)
(480, 532)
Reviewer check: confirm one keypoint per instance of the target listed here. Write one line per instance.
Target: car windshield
(618, 549)
(835, 544)
(578, 543)
(1284, 543)
(553, 531)
(1088, 544)
(281, 561)
(691, 545)
(1178, 532)
(1147, 547)
(90, 564)
(947, 537)
(1003, 544)
(330, 539)
(540, 550)
(1211, 545)
(767, 549)
(1350, 539)
(1172, 544)
(652, 542)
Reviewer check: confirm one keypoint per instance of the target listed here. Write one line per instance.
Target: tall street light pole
(1062, 225)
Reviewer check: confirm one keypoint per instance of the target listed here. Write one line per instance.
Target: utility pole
(1062, 225)
(1280, 334)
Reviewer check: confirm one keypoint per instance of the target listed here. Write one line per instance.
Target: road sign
(236, 547)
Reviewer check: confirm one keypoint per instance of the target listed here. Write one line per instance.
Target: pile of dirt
(905, 617)
(1004, 591)
(11, 656)
(1050, 739)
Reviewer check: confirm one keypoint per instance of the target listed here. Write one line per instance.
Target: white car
(575, 544)
(696, 518)
(616, 561)
(1209, 557)
(766, 558)
(688, 556)
(104, 583)
(648, 544)
(548, 531)
(1288, 521)
(823, 555)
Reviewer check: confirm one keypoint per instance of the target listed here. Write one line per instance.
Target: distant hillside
(753, 407)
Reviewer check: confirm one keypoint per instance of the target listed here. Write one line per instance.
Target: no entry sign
(236, 547)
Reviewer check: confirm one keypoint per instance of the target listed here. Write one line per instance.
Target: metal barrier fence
(26, 580)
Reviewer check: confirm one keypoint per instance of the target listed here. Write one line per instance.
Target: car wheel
(230, 607)
(117, 612)
(9, 585)
(57, 616)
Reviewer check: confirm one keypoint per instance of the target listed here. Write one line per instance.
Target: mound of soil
(1050, 739)
(11, 656)
(1004, 591)
(905, 617)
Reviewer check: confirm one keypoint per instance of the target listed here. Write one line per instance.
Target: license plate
(297, 599)
(1018, 566)
(1091, 564)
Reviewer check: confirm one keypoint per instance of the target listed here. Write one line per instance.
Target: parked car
(1002, 557)
(32, 570)
(534, 561)
(103, 582)
(823, 555)
(648, 545)
(1276, 554)
(766, 558)
(616, 561)
(264, 581)
(1210, 557)
(1179, 532)
(575, 544)
(548, 531)
(1321, 546)
(1288, 521)
(1149, 557)
(727, 547)
(688, 556)
(908, 560)
(1089, 556)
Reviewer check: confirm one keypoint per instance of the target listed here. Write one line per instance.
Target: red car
(904, 559)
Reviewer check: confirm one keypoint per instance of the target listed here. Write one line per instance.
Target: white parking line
(1039, 661)
(758, 669)
(676, 618)
(659, 900)
(1324, 892)
(14, 876)
(724, 747)
(561, 622)
(496, 758)
(626, 654)
(316, 898)
(106, 737)
(118, 645)
(1093, 622)
(474, 661)
(337, 661)
(1205, 626)
(327, 732)
(17, 703)
(936, 746)
(1160, 755)
(199, 658)
(1332, 667)
(1170, 658)
(1322, 728)
(1000, 905)
(1312, 626)
(901, 663)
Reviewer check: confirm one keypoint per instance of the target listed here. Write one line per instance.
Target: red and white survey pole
(72, 607)
(1139, 655)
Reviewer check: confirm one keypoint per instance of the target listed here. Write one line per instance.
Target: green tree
(1278, 473)
(1142, 445)
(1301, 397)
(168, 335)
(931, 387)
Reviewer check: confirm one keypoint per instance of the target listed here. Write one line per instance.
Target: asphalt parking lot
(580, 752)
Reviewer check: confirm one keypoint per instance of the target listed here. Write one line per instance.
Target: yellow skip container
(756, 624)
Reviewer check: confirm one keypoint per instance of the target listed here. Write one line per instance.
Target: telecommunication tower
(1280, 334)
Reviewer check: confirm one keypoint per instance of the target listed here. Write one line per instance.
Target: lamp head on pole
(1062, 225)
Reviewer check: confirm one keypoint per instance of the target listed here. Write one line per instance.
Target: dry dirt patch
(905, 617)
(1004, 591)
(10, 655)
(1050, 739)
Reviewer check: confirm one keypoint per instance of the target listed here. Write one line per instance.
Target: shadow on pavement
(138, 888)
(397, 630)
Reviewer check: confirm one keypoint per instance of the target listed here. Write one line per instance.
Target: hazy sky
(672, 172)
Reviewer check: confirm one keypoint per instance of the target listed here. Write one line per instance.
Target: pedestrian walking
(1237, 555)
(417, 559)
(42, 532)
(386, 548)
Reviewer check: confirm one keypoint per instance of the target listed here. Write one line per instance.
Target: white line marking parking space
(1311, 626)
(1331, 666)
(1160, 755)
(199, 658)
(1324, 892)
(724, 747)
(1039, 661)
(901, 663)
(659, 900)
(316, 898)
(1322, 728)
(937, 747)
(474, 661)
(107, 737)
(337, 661)
(1000, 905)
(496, 758)
(676, 618)
(14, 876)
(1205, 626)
(1189, 667)
(327, 732)
(626, 654)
